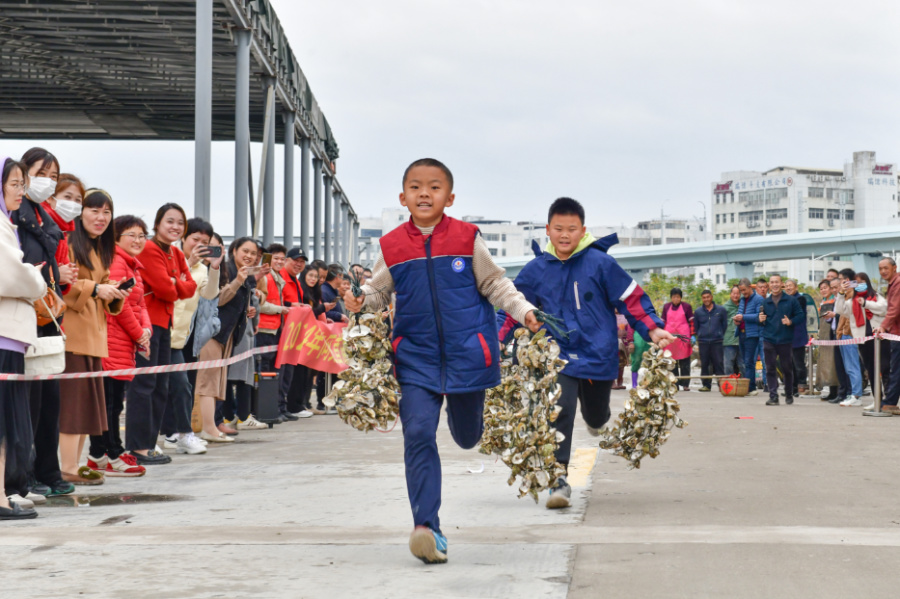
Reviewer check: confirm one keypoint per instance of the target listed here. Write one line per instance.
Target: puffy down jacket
(125, 328)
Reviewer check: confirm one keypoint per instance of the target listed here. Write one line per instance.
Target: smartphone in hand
(214, 251)
(127, 284)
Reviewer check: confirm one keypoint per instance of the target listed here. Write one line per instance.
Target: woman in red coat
(167, 279)
(127, 332)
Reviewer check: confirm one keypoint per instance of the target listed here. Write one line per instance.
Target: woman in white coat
(865, 309)
(20, 286)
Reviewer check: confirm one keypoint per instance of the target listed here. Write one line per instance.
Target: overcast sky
(621, 105)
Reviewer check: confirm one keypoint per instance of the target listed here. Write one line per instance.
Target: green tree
(659, 286)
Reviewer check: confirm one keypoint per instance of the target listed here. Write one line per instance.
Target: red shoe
(124, 465)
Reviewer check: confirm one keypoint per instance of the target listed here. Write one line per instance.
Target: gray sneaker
(559, 495)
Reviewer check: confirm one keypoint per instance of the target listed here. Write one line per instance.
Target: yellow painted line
(580, 465)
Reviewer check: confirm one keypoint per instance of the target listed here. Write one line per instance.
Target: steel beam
(268, 199)
(338, 217)
(328, 240)
(288, 179)
(304, 194)
(203, 109)
(345, 232)
(241, 131)
(318, 241)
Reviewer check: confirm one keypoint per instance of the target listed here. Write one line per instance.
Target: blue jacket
(710, 325)
(801, 337)
(445, 332)
(750, 310)
(584, 291)
(330, 294)
(774, 331)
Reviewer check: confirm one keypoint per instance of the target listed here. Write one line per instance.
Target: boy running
(445, 334)
(578, 282)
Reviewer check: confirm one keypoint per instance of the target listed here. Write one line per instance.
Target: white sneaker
(304, 414)
(160, 451)
(753, 393)
(851, 401)
(36, 498)
(190, 444)
(594, 432)
(871, 406)
(21, 501)
(171, 442)
(250, 424)
(220, 438)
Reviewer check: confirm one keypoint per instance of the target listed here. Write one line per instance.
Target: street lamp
(662, 224)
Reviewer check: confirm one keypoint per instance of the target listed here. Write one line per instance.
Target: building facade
(799, 200)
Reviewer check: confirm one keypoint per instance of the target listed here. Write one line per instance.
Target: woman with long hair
(128, 331)
(237, 287)
(43, 243)
(64, 206)
(92, 247)
(311, 286)
(20, 285)
(167, 279)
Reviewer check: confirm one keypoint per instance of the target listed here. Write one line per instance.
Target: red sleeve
(126, 319)
(187, 287)
(156, 274)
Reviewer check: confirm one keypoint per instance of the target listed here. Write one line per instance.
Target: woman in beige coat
(92, 247)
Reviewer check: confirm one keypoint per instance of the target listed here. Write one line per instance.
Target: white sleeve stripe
(629, 291)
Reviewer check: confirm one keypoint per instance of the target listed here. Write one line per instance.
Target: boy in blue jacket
(445, 334)
(577, 281)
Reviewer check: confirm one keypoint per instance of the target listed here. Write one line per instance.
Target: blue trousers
(850, 354)
(751, 347)
(420, 413)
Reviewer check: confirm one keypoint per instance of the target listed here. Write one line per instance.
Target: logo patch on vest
(458, 265)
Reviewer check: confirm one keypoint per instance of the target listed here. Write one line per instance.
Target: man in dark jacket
(710, 323)
(330, 294)
(780, 313)
(801, 339)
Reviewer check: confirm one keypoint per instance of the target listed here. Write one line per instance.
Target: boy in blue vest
(577, 281)
(445, 334)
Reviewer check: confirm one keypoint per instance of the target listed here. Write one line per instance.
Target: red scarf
(858, 310)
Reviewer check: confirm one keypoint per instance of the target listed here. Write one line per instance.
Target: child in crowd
(576, 280)
(445, 334)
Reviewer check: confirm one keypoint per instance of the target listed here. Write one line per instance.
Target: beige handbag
(48, 354)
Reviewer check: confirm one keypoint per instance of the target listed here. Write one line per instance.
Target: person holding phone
(310, 284)
(93, 296)
(236, 288)
(778, 315)
(127, 332)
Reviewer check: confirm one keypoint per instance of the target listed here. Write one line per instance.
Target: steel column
(288, 179)
(328, 240)
(241, 131)
(337, 227)
(304, 195)
(345, 232)
(355, 242)
(317, 210)
(203, 65)
(268, 199)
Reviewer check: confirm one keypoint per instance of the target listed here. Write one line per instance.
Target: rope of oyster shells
(367, 396)
(519, 414)
(650, 412)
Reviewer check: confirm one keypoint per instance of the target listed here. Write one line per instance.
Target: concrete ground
(799, 501)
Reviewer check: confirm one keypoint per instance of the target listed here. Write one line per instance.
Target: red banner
(311, 342)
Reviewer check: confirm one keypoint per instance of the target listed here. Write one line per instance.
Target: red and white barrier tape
(855, 340)
(147, 370)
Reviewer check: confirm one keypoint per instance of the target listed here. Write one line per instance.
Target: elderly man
(887, 268)
(710, 322)
(732, 340)
(747, 320)
(780, 313)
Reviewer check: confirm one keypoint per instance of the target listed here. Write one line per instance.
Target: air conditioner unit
(830, 222)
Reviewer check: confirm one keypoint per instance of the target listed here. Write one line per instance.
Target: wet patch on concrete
(110, 499)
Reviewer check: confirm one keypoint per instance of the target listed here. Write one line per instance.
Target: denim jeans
(750, 347)
(850, 354)
(734, 362)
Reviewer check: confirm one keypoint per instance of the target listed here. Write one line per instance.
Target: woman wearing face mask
(41, 239)
(92, 248)
(167, 279)
(21, 285)
(868, 310)
(127, 331)
(64, 206)
(237, 287)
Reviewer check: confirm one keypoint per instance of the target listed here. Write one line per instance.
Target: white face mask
(68, 210)
(40, 189)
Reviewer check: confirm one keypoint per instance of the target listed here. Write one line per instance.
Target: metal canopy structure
(120, 69)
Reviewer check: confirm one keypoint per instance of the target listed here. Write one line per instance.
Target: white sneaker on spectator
(36, 498)
(171, 442)
(250, 424)
(190, 444)
(871, 406)
(160, 451)
(304, 414)
(21, 501)
(851, 401)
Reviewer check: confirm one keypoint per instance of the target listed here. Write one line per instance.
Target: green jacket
(640, 346)
(731, 333)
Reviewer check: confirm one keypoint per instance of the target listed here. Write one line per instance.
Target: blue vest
(445, 331)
